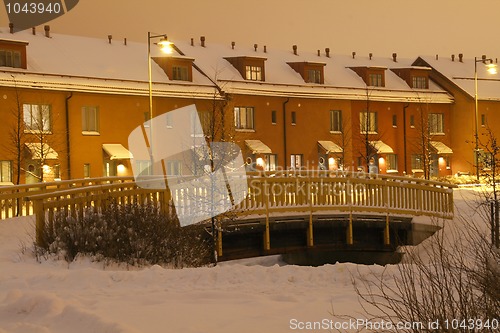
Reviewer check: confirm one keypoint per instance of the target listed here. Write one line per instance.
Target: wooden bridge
(302, 216)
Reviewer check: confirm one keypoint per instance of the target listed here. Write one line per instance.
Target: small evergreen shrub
(133, 234)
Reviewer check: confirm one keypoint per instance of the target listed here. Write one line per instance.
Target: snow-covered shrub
(134, 234)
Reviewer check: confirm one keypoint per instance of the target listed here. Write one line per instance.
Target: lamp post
(492, 69)
(166, 47)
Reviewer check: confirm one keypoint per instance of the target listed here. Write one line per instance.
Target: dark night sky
(410, 28)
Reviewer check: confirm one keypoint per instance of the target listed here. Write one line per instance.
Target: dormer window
(375, 80)
(416, 77)
(176, 68)
(13, 54)
(373, 76)
(311, 72)
(250, 68)
(253, 73)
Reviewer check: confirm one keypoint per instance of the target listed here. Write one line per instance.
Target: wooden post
(387, 235)
(219, 239)
(310, 235)
(267, 233)
(40, 221)
(350, 237)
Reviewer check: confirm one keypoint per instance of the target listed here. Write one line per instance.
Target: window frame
(253, 73)
(41, 113)
(86, 115)
(436, 123)
(248, 113)
(6, 175)
(180, 73)
(336, 121)
(373, 123)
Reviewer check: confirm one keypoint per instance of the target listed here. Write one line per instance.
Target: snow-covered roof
(282, 80)
(78, 63)
(461, 73)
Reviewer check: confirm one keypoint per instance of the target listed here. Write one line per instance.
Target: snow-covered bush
(133, 234)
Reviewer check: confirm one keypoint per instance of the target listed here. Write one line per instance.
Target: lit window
(272, 162)
(37, 118)
(392, 161)
(336, 121)
(173, 168)
(253, 73)
(419, 82)
(314, 76)
(180, 73)
(436, 123)
(243, 117)
(9, 58)
(368, 122)
(143, 167)
(296, 161)
(90, 119)
(6, 171)
(375, 80)
(417, 162)
(86, 170)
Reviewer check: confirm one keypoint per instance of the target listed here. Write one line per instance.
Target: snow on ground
(247, 296)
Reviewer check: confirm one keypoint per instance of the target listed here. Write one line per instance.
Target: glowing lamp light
(260, 162)
(120, 168)
(45, 168)
(492, 68)
(165, 45)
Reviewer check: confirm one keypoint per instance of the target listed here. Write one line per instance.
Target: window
(483, 119)
(173, 168)
(296, 161)
(412, 121)
(37, 117)
(485, 160)
(143, 167)
(368, 122)
(180, 73)
(90, 119)
(9, 58)
(253, 73)
(204, 118)
(375, 80)
(436, 123)
(336, 121)
(272, 162)
(394, 120)
(86, 170)
(273, 117)
(243, 117)
(417, 162)
(109, 168)
(419, 82)
(57, 171)
(5, 171)
(314, 76)
(392, 161)
(294, 118)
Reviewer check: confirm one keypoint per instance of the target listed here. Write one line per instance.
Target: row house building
(69, 103)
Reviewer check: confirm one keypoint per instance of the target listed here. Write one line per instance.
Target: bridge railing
(13, 198)
(266, 194)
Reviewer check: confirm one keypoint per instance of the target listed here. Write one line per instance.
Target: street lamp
(491, 68)
(167, 48)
